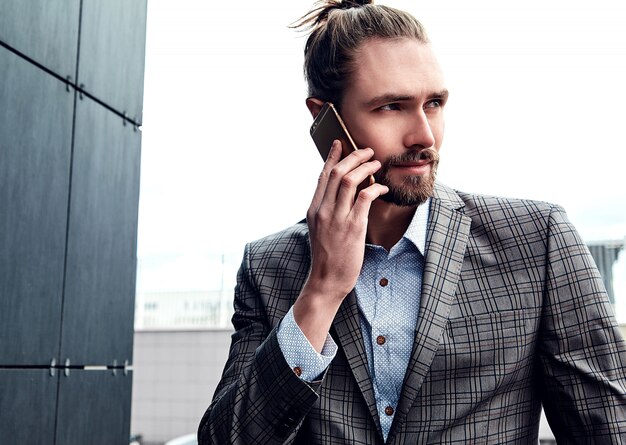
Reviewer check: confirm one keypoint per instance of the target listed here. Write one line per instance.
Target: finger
(341, 169)
(351, 182)
(364, 200)
(334, 156)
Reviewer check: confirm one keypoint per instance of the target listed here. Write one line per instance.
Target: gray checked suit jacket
(513, 314)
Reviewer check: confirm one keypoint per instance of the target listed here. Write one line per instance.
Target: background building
(71, 95)
(605, 255)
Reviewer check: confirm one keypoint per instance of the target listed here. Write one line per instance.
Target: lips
(414, 158)
(419, 163)
(410, 164)
(413, 169)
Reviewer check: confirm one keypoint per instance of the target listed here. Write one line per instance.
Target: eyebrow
(390, 97)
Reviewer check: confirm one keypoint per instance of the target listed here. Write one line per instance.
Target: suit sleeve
(298, 351)
(259, 398)
(582, 354)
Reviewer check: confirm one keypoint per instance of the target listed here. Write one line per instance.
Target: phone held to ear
(329, 126)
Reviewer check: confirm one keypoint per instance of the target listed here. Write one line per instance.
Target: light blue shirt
(388, 294)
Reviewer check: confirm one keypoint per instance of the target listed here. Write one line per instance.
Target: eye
(435, 103)
(389, 107)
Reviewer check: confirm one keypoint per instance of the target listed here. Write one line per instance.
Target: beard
(413, 190)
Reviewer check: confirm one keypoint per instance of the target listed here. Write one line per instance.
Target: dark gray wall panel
(112, 53)
(44, 30)
(35, 150)
(101, 259)
(28, 406)
(94, 408)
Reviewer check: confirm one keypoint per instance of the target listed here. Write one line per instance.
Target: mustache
(424, 154)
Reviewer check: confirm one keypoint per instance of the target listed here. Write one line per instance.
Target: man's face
(394, 104)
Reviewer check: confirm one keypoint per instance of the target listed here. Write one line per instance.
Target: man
(404, 311)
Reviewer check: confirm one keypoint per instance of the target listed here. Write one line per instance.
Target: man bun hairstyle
(337, 29)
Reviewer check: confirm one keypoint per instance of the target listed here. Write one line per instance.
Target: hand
(337, 228)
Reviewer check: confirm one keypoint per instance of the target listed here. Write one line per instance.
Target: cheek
(357, 131)
(382, 144)
(368, 136)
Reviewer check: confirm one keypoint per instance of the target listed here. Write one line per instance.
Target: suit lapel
(448, 232)
(347, 332)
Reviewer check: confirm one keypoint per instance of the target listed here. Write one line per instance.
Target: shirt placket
(381, 338)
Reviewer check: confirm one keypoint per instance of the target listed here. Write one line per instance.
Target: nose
(419, 133)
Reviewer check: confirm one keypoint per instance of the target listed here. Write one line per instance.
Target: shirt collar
(416, 232)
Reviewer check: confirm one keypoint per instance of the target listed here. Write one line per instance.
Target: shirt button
(381, 340)
(297, 371)
(383, 282)
(389, 411)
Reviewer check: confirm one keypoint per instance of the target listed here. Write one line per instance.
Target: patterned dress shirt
(388, 294)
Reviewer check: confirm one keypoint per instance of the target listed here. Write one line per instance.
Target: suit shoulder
(290, 241)
(488, 204)
(277, 266)
(513, 216)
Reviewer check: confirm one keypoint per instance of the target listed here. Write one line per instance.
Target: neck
(387, 223)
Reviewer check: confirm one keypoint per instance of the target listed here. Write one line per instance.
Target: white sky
(537, 110)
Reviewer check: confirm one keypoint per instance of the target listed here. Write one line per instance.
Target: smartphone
(327, 127)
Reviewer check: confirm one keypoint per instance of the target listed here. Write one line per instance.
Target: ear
(314, 105)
